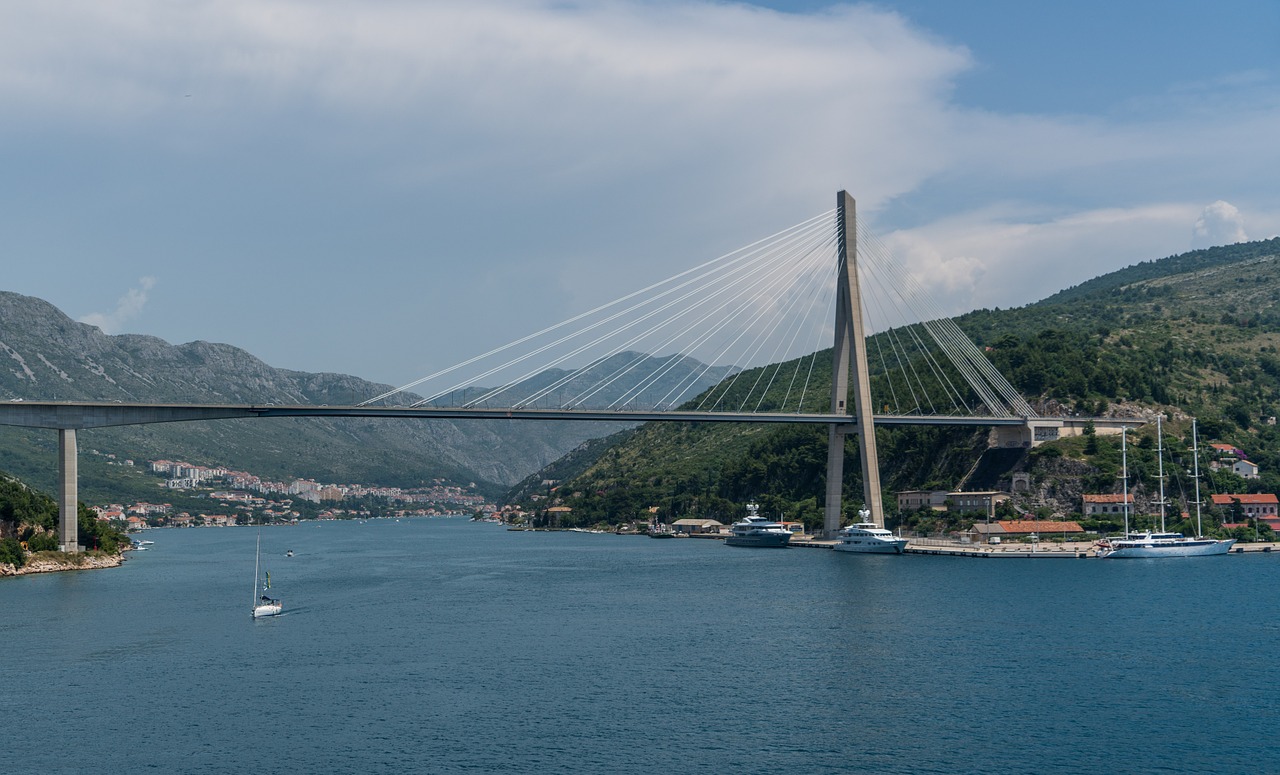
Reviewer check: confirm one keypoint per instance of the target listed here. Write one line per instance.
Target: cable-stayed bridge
(775, 332)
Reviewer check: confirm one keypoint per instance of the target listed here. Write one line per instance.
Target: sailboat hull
(274, 609)
(1189, 547)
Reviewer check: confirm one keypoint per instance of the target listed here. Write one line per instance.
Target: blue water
(445, 646)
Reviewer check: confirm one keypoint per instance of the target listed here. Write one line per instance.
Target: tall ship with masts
(1162, 544)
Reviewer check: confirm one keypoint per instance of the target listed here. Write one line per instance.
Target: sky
(387, 187)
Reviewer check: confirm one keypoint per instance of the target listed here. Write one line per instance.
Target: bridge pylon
(68, 485)
(849, 360)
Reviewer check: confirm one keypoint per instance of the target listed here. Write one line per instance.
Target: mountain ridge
(48, 356)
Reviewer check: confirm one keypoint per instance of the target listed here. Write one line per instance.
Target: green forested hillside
(1190, 335)
(1181, 264)
(31, 516)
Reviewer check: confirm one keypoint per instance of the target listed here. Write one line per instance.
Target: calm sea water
(444, 646)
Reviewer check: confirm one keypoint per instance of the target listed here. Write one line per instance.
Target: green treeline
(31, 517)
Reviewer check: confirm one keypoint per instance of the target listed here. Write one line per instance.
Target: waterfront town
(240, 497)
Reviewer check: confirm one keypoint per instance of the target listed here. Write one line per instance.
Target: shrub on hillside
(11, 552)
(42, 542)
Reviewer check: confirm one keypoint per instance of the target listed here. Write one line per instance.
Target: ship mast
(1160, 466)
(1195, 456)
(1124, 466)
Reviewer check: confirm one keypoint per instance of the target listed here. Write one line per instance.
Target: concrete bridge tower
(849, 359)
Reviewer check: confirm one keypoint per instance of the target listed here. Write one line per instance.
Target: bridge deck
(90, 414)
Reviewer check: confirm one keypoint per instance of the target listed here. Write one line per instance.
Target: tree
(11, 552)
(43, 541)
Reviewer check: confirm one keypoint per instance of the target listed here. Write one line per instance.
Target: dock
(1043, 551)
(1079, 550)
(1027, 552)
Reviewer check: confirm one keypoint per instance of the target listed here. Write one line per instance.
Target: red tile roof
(1111, 498)
(1246, 499)
(1039, 526)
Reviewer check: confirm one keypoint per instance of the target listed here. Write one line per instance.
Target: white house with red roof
(1262, 504)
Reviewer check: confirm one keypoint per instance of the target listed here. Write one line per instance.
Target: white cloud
(573, 150)
(560, 94)
(1219, 224)
(1006, 256)
(128, 307)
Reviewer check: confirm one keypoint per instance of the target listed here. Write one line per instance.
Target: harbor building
(1251, 504)
(1105, 505)
(1022, 528)
(697, 526)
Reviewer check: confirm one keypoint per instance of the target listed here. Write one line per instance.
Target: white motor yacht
(869, 538)
(755, 530)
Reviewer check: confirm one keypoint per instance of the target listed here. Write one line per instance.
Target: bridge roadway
(90, 414)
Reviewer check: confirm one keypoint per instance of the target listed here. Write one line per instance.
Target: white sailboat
(1151, 544)
(263, 604)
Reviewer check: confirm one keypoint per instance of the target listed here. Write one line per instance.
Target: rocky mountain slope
(45, 355)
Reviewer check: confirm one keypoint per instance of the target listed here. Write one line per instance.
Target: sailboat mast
(1124, 466)
(257, 555)
(1160, 466)
(1195, 456)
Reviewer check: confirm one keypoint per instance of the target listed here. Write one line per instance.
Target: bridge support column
(849, 358)
(835, 481)
(68, 500)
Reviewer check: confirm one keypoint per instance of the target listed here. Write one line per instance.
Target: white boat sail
(868, 538)
(263, 604)
(1162, 544)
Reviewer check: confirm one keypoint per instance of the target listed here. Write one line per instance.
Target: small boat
(867, 537)
(263, 604)
(1162, 544)
(289, 553)
(661, 531)
(758, 531)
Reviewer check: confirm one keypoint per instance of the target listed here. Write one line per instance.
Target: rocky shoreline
(53, 562)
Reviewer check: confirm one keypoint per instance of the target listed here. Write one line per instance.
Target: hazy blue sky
(385, 187)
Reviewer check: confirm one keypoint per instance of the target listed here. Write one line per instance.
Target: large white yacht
(1162, 544)
(755, 530)
(1136, 545)
(869, 538)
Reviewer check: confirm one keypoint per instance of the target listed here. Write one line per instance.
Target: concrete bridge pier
(833, 511)
(68, 496)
